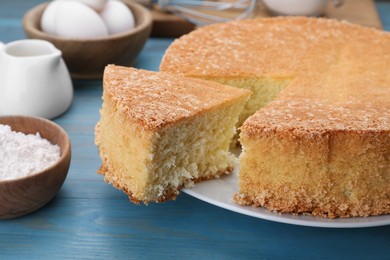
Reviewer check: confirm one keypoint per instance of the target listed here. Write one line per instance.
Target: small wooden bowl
(27, 194)
(87, 58)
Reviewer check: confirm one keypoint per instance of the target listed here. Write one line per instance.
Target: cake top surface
(282, 47)
(155, 100)
(337, 72)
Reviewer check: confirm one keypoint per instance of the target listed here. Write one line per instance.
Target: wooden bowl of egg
(34, 162)
(91, 34)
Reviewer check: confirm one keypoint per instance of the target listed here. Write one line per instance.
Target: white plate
(220, 192)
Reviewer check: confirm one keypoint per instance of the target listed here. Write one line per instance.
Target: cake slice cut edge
(159, 132)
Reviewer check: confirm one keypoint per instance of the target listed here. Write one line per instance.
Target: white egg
(117, 17)
(97, 5)
(48, 20)
(77, 20)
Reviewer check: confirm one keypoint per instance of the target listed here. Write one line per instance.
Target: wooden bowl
(87, 58)
(27, 194)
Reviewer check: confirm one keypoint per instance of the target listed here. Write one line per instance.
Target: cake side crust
(334, 174)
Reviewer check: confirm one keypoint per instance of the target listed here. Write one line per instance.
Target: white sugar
(23, 155)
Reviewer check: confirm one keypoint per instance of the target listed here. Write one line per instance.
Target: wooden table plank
(361, 12)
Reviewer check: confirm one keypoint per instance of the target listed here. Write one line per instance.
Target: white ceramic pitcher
(34, 79)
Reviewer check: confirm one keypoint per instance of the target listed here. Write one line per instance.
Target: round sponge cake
(317, 139)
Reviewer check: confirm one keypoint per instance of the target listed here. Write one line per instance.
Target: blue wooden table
(89, 219)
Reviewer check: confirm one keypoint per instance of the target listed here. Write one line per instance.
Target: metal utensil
(204, 12)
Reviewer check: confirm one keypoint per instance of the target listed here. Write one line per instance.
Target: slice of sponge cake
(160, 132)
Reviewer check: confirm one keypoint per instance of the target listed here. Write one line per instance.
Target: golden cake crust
(334, 111)
(281, 47)
(147, 98)
(338, 70)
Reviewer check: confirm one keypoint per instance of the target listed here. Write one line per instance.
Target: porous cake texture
(160, 132)
(319, 142)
